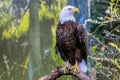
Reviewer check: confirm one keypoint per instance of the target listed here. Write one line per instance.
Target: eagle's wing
(57, 47)
(57, 50)
(83, 40)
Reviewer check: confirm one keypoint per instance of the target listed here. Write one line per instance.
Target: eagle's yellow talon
(66, 67)
(75, 68)
(65, 70)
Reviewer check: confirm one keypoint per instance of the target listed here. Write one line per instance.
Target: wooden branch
(59, 72)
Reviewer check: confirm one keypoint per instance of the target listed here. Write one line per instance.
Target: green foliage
(13, 45)
(17, 30)
(44, 12)
(105, 39)
(114, 45)
(9, 70)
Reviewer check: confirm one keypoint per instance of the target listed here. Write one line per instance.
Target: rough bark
(60, 72)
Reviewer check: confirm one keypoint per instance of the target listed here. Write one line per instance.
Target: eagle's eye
(69, 9)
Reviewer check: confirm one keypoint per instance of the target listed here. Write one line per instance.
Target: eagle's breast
(66, 37)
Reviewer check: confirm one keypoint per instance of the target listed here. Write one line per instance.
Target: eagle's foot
(67, 67)
(75, 68)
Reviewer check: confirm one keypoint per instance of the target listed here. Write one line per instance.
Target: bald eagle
(71, 40)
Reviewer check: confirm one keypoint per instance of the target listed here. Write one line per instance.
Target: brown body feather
(71, 42)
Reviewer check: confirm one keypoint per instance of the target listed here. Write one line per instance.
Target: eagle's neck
(66, 18)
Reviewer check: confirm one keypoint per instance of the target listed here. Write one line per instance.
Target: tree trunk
(34, 39)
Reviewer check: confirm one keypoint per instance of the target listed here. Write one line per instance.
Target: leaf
(94, 48)
(115, 46)
(26, 63)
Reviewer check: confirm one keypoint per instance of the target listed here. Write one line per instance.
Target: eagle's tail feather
(83, 66)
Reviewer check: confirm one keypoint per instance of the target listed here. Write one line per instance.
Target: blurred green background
(27, 37)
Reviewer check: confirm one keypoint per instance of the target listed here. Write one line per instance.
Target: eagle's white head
(66, 14)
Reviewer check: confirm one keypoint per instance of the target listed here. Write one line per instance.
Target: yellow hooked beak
(76, 10)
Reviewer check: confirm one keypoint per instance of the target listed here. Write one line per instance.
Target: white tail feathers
(83, 66)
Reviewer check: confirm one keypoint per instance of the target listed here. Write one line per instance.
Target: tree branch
(60, 71)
